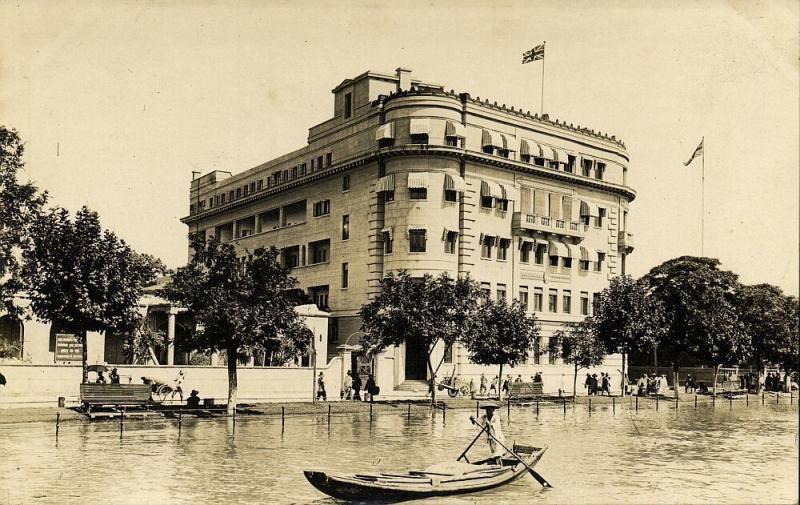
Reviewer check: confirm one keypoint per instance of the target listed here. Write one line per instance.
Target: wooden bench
(730, 388)
(115, 395)
(525, 390)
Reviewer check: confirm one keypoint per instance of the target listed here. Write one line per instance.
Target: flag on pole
(697, 152)
(537, 53)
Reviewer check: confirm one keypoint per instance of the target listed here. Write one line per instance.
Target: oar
(464, 454)
(533, 472)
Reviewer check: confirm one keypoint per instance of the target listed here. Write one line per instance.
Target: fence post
(747, 398)
(637, 403)
(730, 400)
(537, 406)
(695, 401)
(590, 407)
(477, 408)
(370, 411)
(329, 415)
(777, 397)
(763, 398)
(677, 399)
(58, 422)
(508, 410)
(283, 416)
(444, 412)
(409, 411)
(564, 402)
(613, 405)
(121, 422)
(656, 403)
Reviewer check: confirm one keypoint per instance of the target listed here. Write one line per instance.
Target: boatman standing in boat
(491, 423)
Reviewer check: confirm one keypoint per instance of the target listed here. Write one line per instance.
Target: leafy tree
(699, 303)
(625, 318)
(502, 333)
(766, 318)
(19, 205)
(238, 308)
(789, 350)
(579, 346)
(81, 278)
(429, 310)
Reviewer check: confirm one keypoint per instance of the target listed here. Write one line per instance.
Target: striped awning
(417, 180)
(584, 254)
(417, 227)
(419, 126)
(572, 251)
(389, 230)
(492, 238)
(493, 189)
(588, 209)
(385, 131)
(561, 155)
(448, 230)
(597, 254)
(544, 151)
(525, 148)
(492, 138)
(385, 183)
(454, 129)
(524, 240)
(454, 183)
(509, 142)
(555, 248)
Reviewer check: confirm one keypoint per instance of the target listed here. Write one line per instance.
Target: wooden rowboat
(439, 480)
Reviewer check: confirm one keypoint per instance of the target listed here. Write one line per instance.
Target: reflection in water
(722, 455)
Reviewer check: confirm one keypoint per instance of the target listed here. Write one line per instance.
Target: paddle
(533, 472)
(464, 454)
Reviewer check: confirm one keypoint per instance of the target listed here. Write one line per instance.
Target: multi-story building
(406, 175)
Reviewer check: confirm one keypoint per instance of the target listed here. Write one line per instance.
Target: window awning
(507, 239)
(454, 183)
(492, 238)
(525, 148)
(545, 152)
(389, 230)
(555, 248)
(584, 254)
(509, 142)
(419, 126)
(385, 183)
(597, 254)
(510, 192)
(493, 189)
(385, 131)
(524, 240)
(416, 227)
(454, 129)
(446, 231)
(491, 138)
(571, 251)
(588, 209)
(560, 155)
(417, 180)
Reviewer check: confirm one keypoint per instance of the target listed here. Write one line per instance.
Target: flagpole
(703, 201)
(541, 107)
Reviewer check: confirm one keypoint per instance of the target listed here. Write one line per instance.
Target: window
(388, 196)
(538, 299)
(505, 153)
(598, 220)
(345, 275)
(388, 242)
(600, 170)
(252, 187)
(222, 199)
(450, 242)
(418, 193)
(502, 249)
(552, 350)
(319, 162)
(486, 246)
(584, 303)
(523, 297)
(291, 256)
(552, 300)
(303, 168)
(329, 159)
(346, 183)
(538, 161)
(501, 204)
(231, 196)
(294, 172)
(245, 190)
(570, 166)
(553, 165)
(554, 261)
(454, 141)
(598, 267)
(486, 201)
(419, 138)
(488, 149)
(216, 200)
(319, 295)
(566, 262)
(346, 227)
(584, 265)
(585, 220)
(238, 192)
(319, 251)
(566, 302)
(501, 292)
(541, 251)
(525, 252)
(348, 105)
(586, 167)
(260, 184)
(389, 142)
(486, 290)
(416, 240)
(450, 195)
(322, 208)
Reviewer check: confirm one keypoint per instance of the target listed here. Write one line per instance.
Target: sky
(118, 102)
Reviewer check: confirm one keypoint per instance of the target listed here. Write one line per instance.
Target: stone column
(171, 314)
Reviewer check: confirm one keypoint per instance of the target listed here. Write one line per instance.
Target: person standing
(347, 387)
(492, 425)
(588, 384)
(357, 387)
(482, 390)
(371, 388)
(321, 388)
(494, 384)
(114, 376)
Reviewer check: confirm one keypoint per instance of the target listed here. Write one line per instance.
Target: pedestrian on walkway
(321, 388)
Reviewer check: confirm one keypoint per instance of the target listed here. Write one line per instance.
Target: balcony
(532, 222)
(626, 242)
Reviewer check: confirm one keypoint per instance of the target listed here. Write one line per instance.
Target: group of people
(507, 383)
(652, 384)
(351, 389)
(113, 377)
(595, 386)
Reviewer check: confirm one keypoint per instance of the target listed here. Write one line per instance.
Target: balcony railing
(626, 242)
(525, 221)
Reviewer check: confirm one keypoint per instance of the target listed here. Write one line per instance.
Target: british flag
(537, 53)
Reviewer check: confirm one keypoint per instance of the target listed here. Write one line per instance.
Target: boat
(443, 479)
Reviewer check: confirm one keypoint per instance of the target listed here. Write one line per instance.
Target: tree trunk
(575, 384)
(84, 357)
(624, 382)
(232, 356)
(500, 384)
(759, 367)
(675, 381)
(431, 379)
(714, 388)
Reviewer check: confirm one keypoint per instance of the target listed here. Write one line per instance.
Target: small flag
(697, 152)
(537, 53)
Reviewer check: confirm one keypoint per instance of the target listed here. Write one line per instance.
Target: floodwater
(730, 455)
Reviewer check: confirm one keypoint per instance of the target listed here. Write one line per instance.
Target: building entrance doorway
(416, 356)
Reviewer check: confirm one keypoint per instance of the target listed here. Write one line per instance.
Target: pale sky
(119, 102)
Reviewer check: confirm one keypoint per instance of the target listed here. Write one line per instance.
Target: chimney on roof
(403, 79)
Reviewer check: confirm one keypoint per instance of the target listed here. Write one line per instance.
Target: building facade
(409, 176)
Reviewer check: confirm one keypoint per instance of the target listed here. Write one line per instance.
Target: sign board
(68, 348)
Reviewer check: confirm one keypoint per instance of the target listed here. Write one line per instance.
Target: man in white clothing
(492, 424)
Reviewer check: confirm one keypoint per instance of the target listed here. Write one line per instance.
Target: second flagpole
(541, 106)
(703, 200)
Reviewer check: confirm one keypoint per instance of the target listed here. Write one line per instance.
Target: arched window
(11, 337)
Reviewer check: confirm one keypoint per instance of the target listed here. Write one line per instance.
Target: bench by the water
(114, 395)
(521, 390)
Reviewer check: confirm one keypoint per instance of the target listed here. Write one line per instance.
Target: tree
(19, 206)
(626, 318)
(501, 334)
(429, 310)
(238, 308)
(81, 278)
(700, 309)
(579, 346)
(790, 350)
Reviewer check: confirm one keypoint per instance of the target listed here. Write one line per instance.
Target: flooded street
(743, 454)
